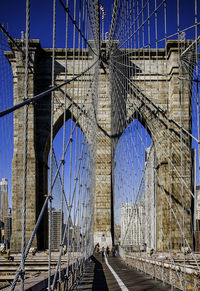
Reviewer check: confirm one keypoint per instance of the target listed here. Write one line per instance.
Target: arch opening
(72, 188)
(135, 188)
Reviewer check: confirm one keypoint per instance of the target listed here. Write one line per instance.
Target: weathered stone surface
(162, 89)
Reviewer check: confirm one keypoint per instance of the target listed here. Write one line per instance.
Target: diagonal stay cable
(14, 42)
(17, 46)
(29, 243)
(11, 39)
(38, 222)
(25, 144)
(69, 215)
(112, 24)
(32, 237)
(41, 95)
(94, 32)
(170, 159)
(60, 178)
(179, 225)
(44, 206)
(187, 188)
(74, 23)
(139, 188)
(157, 107)
(66, 147)
(141, 25)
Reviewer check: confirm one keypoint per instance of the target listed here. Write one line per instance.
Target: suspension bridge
(100, 144)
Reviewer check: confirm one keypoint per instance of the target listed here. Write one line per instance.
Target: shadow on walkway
(99, 281)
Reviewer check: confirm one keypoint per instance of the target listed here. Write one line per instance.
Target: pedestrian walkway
(113, 274)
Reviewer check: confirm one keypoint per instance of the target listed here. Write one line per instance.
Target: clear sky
(13, 16)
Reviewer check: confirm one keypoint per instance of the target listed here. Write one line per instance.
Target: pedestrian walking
(102, 252)
(107, 251)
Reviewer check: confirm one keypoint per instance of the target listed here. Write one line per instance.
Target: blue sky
(13, 13)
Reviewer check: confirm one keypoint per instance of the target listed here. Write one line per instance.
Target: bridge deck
(101, 274)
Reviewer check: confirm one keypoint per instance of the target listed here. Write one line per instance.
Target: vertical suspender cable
(64, 134)
(181, 140)
(72, 113)
(198, 89)
(25, 144)
(77, 140)
(168, 141)
(82, 120)
(51, 146)
(69, 183)
(183, 177)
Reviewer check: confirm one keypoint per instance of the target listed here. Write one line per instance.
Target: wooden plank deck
(98, 277)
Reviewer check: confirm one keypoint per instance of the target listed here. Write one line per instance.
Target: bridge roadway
(112, 274)
(100, 274)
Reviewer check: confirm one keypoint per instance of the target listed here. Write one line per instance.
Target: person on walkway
(102, 252)
(96, 249)
(113, 251)
(107, 251)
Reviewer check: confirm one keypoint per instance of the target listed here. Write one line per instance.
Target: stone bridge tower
(159, 112)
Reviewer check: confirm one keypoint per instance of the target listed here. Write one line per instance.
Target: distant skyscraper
(150, 198)
(132, 224)
(197, 218)
(117, 233)
(196, 207)
(55, 231)
(7, 229)
(197, 202)
(194, 189)
(3, 198)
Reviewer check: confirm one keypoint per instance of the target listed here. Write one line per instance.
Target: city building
(72, 234)
(138, 220)
(1, 232)
(197, 204)
(3, 199)
(7, 229)
(132, 224)
(117, 233)
(197, 218)
(150, 198)
(56, 229)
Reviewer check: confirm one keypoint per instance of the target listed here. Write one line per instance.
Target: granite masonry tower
(157, 123)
